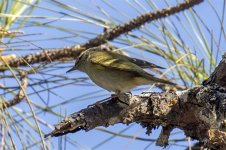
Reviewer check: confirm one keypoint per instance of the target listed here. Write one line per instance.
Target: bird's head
(80, 61)
(83, 58)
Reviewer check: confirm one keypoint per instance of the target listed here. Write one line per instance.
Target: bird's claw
(123, 97)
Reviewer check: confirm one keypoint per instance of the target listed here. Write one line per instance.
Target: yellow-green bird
(115, 72)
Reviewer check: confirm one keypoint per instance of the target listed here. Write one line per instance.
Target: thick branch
(108, 35)
(195, 111)
(219, 75)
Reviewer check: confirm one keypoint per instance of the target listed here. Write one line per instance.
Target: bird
(115, 72)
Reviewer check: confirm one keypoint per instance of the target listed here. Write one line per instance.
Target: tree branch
(73, 51)
(219, 75)
(195, 111)
(20, 95)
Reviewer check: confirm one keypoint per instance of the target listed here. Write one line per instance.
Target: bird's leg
(123, 97)
(130, 94)
(114, 95)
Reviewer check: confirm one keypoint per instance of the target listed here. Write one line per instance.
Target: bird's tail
(163, 81)
(154, 79)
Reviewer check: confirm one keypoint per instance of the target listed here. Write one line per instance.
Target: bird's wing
(139, 62)
(143, 63)
(112, 60)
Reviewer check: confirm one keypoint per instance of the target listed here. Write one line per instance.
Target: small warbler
(115, 72)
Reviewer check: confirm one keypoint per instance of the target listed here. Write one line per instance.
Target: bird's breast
(111, 79)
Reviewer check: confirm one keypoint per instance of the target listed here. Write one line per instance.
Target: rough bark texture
(199, 112)
(219, 75)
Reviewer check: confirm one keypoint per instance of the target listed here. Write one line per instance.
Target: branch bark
(196, 111)
(219, 75)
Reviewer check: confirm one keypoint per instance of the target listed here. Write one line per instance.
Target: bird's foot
(123, 97)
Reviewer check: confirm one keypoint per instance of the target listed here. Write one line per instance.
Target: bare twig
(2, 145)
(73, 51)
(135, 137)
(20, 95)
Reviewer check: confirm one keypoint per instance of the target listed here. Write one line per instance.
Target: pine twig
(20, 95)
(50, 55)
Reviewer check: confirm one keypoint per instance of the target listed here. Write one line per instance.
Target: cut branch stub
(219, 74)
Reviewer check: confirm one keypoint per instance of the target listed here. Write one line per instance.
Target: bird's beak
(73, 68)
